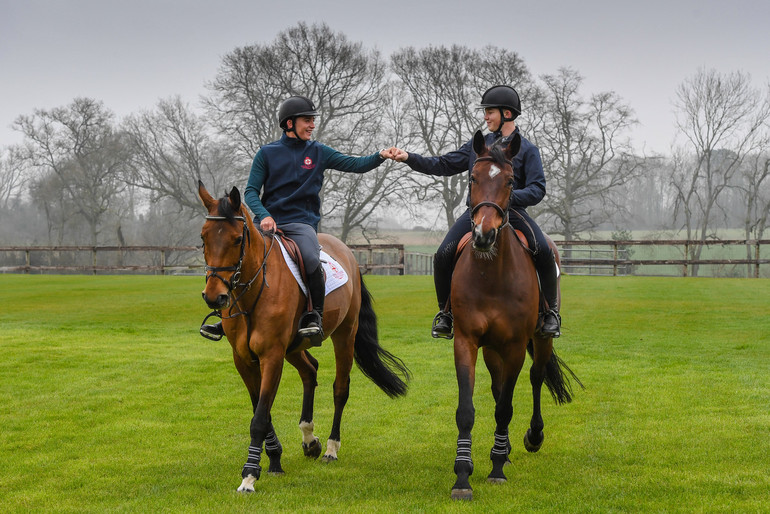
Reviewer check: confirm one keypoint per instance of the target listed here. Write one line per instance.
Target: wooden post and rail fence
(747, 258)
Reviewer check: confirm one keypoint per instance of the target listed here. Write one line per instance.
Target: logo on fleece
(308, 164)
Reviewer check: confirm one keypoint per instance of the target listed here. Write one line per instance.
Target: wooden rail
(618, 262)
(375, 258)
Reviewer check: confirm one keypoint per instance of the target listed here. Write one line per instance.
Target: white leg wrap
(332, 447)
(247, 486)
(307, 432)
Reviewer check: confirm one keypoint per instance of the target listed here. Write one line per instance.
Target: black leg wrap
(463, 462)
(501, 449)
(252, 466)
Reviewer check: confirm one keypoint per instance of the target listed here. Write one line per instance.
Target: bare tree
(13, 174)
(585, 155)
(754, 189)
(721, 118)
(172, 148)
(346, 83)
(441, 89)
(79, 144)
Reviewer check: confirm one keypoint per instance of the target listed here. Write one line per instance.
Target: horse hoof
(276, 473)
(462, 494)
(247, 486)
(312, 450)
(329, 458)
(496, 480)
(532, 448)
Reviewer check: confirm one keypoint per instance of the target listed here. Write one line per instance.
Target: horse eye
(238, 240)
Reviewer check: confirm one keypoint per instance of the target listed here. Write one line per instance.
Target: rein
(503, 212)
(235, 282)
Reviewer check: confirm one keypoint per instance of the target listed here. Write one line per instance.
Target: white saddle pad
(336, 275)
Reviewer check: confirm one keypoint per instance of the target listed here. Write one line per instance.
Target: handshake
(394, 153)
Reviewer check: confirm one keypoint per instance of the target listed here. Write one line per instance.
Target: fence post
(163, 262)
(93, 260)
(615, 258)
(686, 257)
(27, 261)
(756, 256)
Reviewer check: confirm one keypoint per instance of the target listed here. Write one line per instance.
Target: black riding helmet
(293, 107)
(502, 97)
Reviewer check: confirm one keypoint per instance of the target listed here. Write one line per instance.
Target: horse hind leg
(343, 355)
(273, 450)
(541, 351)
(307, 367)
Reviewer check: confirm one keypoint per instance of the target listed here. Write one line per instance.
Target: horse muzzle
(483, 241)
(221, 301)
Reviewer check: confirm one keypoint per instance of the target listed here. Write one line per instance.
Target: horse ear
(479, 145)
(235, 199)
(204, 195)
(513, 146)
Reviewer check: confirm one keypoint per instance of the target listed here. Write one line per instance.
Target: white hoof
(247, 486)
(332, 447)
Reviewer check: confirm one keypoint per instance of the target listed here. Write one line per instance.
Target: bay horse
(495, 300)
(248, 280)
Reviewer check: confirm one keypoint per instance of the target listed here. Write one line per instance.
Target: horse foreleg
(271, 368)
(465, 368)
(307, 367)
(506, 377)
(533, 438)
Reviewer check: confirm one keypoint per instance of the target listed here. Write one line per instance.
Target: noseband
(503, 212)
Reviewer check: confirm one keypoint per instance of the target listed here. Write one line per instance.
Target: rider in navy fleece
(283, 192)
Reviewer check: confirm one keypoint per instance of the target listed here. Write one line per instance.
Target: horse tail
(374, 361)
(557, 378)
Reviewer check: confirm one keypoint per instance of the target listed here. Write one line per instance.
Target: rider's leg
(311, 324)
(443, 265)
(545, 264)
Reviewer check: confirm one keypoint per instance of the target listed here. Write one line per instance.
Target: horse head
(225, 235)
(491, 184)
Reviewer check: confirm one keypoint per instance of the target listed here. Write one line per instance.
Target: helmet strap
(293, 128)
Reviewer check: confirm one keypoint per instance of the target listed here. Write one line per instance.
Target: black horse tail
(557, 379)
(374, 361)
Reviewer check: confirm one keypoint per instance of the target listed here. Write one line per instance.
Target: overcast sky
(131, 53)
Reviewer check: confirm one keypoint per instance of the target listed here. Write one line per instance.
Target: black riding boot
(550, 284)
(213, 331)
(312, 322)
(442, 322)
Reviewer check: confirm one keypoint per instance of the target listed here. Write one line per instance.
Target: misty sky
(131, 53)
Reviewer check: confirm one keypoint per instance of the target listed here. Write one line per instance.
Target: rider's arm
(338, 161)
(445, 165)
(534, 179)
(254, 186)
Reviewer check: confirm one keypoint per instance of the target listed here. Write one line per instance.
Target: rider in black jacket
(501, 107)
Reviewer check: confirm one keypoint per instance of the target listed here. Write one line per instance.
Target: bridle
(503, 212)
(235, 281)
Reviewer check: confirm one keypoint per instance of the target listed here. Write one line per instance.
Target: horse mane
(497, 155)
(225, 209)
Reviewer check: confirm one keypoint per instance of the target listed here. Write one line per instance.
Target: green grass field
(110, 401)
